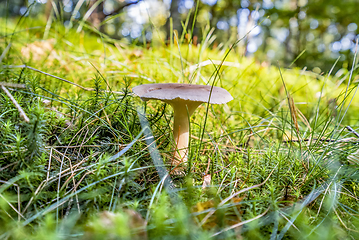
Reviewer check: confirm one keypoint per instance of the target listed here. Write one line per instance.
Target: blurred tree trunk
(298, 49)
(49, 7)
(213, 12)
(97, 16)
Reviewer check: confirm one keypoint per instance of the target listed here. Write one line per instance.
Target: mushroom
(184, 99)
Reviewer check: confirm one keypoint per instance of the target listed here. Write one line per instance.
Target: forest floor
(278, 161)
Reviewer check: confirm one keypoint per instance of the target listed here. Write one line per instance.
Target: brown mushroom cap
(190, 92)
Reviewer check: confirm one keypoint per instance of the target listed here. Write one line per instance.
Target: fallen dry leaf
(222, 217)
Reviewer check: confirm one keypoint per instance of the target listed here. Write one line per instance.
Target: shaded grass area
(276, 162)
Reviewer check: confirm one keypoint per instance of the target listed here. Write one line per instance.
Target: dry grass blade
(49, 166)
(289, 221)
(5, 52)
(18, 198)
(48, 74)
(340, 219)
(293, 112)
(248, 188)
(241, 223)
(18, 107)
(303, 118)
(234, 195)
(12, 85)
(39, 188)
(53, 76)
(352, 130)
(193, 68)
(16, 210)
(328, 190)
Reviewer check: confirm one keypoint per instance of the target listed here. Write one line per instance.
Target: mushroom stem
(182, 112)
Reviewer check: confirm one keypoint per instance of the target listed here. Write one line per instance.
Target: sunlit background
(320, 31)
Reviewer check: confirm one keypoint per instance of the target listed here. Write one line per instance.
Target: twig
(22, 113)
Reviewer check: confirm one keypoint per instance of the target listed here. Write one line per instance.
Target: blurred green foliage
(311, 34)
